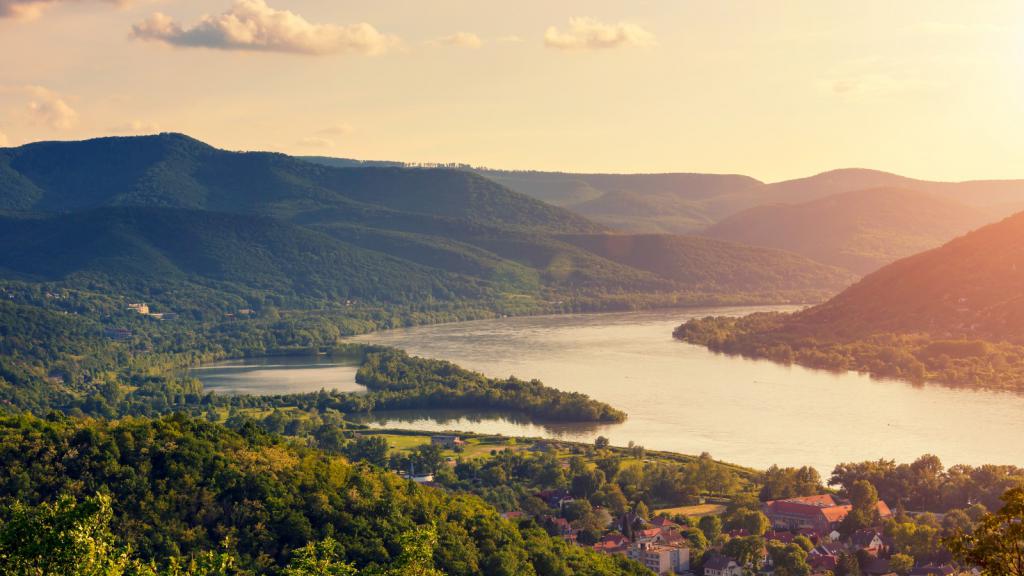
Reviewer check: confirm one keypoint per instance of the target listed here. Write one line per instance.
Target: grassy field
(694, 511)
(474, 447)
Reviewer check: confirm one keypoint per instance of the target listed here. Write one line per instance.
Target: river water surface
(681, 397)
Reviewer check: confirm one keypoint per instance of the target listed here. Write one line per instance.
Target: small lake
(278, 375)
(686, 399)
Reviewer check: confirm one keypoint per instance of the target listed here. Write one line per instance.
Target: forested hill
(860, 230)
(141, 249)
(972, 287)
(953, 314)
(173, 170)
(140, 215)
(181, 489)
(673, 203)
(710, 264)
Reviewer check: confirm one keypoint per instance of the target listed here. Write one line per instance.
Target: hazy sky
(775, 90)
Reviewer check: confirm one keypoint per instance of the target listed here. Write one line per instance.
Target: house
(867, 539)
(513, 515)
(718, 565)
(612, 544)
(661, 558)
(554, 498)
(140, 307)
(647, 535)
(560, 526)
(664, 522)
(820, 513)
(448, 441)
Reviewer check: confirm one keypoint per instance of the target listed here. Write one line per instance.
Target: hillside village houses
(821, 514)
(663, 546)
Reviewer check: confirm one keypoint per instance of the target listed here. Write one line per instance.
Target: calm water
(683, 398)
(278, 375)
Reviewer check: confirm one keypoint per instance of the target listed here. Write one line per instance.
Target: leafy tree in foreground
(66, 537)
(997, 544)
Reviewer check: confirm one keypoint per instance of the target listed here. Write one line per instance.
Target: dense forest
(179, 488)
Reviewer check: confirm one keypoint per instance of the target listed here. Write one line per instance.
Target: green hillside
(861, 230)
(180, 488)
(138, 213)
(971, 287)
(142, 248)
(675, 203)
(710, 265)
(173, 170)
(953, 314)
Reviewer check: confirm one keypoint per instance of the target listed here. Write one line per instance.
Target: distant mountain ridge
(154, 214)
(861, 230)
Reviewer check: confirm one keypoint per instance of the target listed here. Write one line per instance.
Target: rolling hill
(167, 210)
(705, 263)
(954, 314)
(997, 197)
(675, 203)
(173, 170)
(860, 230)
(972, 287)
(682, 203)
(146, 247)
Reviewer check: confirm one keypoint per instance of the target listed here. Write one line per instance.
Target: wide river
(686, 399)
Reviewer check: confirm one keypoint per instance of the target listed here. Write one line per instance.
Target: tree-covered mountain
(709, 264)
(953, 314)
(140, 212)
(860, 230)
(971, 287)
(141, 248)
(173, 170)
(673, 203)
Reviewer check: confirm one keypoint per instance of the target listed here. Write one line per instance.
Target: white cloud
(136, 127)
(460, 40)
(49, 108)
(316, 142)
(29, 9)
(252, 25)
(587, 34)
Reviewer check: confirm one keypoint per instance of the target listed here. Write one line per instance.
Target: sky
(772, 89)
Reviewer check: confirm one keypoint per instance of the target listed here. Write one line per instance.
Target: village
(801, 535)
